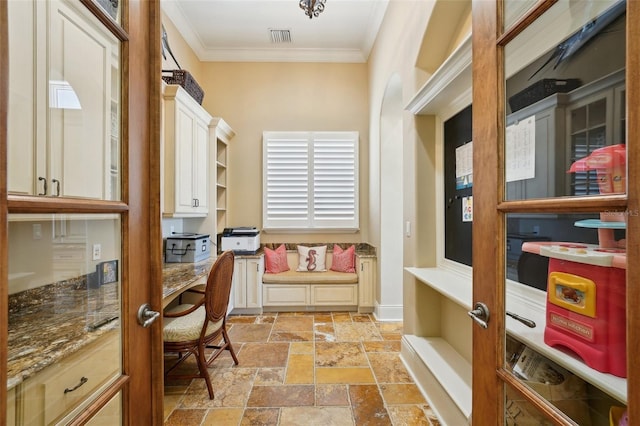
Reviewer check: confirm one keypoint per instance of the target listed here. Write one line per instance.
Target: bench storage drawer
(334, 294)
(285, 294)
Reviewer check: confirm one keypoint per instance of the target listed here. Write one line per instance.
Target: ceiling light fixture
(312, 7)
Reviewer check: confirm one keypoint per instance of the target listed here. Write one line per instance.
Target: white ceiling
(239, 30)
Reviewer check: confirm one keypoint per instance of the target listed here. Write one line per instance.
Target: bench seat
(302, 290)
(297, 277)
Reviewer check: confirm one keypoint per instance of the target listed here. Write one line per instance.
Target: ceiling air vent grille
(280, 36)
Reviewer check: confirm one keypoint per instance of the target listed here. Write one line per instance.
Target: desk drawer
(60, 388)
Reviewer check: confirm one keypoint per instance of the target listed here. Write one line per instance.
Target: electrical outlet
(37, 231)
(97, 251)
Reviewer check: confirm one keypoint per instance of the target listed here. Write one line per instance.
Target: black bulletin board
(458, 234)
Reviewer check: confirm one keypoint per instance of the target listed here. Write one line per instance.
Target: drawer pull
(83, 380)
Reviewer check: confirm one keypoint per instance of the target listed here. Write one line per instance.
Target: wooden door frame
(489, 375)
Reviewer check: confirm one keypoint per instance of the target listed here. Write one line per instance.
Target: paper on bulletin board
(464, 166)
(467, 209)
(520, 150)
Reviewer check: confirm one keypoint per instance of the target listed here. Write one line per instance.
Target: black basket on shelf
(186, 80)
(540, 90)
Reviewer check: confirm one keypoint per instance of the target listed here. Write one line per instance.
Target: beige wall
(181, 50)
(415, 38)
(257, 97)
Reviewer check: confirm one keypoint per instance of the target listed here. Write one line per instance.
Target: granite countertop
(48, 323)
(176, 276)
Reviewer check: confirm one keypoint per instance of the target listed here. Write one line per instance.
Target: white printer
(242, 240)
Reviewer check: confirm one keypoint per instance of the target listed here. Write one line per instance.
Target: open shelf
(452, 285)
(451, 371)
(527, 302)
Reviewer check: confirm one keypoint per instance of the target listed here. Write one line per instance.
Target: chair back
(218, 288)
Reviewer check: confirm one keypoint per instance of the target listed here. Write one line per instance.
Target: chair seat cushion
(188, 327)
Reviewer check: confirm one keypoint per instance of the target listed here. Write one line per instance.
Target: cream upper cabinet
(63, 115)
(186, 155)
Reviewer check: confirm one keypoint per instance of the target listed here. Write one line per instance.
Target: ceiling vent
(280, 36)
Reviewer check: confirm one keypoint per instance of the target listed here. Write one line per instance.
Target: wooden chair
(190, 329)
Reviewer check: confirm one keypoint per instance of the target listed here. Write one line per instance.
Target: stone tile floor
(325, 369)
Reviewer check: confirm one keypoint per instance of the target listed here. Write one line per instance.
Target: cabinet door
(239, 283)
(253, 280)
(59, 136)
(186, 155)
(200, 166)
(366, 273)
(21, 129)
(79, 79)
(185, 127)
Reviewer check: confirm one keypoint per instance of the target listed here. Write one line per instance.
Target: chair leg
(228, 345)
(204, 373)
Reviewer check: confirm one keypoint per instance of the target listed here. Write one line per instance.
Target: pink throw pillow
(275, 260)
(343, 260)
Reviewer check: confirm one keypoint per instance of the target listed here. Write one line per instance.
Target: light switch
(37, 231)
(97, 251)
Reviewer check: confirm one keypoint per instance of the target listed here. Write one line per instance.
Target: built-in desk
(179, 277)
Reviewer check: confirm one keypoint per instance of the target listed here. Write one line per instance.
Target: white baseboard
(388, 312)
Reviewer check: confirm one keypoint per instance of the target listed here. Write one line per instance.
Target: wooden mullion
(542, 404)
(107, 20)
(33, 204)
(521, 24)
(588, 204)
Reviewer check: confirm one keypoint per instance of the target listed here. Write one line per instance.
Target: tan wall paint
(257, 97)
(400, 46)
(181, 50)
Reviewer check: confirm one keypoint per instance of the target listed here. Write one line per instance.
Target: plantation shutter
(335, 180)
(286, 180)
(310, 180)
